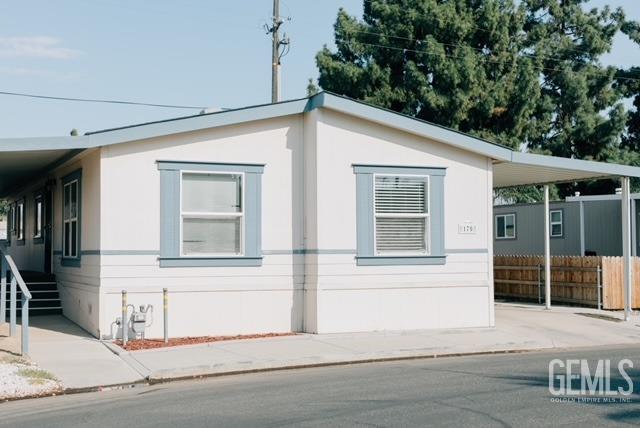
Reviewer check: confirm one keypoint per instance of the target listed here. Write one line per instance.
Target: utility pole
(276, 54)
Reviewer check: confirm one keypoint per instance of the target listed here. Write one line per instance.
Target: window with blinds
(401, 214)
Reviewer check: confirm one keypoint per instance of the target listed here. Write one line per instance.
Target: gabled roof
(198, 122)
(511, 167)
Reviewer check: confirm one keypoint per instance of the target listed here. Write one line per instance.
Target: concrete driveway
(81, 361)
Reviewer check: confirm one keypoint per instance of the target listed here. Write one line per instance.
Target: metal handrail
(8, 265)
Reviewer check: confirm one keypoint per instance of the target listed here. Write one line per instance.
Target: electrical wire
(489, 31)
(93, 100)
(427, 52)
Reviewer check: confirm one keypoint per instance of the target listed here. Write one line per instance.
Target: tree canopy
(523, 74)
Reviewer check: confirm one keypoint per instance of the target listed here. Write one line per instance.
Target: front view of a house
(316, 215)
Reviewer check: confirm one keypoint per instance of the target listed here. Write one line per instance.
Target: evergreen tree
(455, 63)
(312, 89)
(580, 109)
(525, 74)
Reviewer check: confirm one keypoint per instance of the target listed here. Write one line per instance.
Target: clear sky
(189, 52)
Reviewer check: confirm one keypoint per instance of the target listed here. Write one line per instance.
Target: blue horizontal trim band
(467, 251)
(210, 166)
(306, 251)
(210, 261)
(396, 169)
(265, 252)
(400, 260)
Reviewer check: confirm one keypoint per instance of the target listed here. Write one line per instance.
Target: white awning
(527, 168)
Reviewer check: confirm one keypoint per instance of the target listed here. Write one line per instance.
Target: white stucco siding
(79, 287)
(354, 298)
(205, 300)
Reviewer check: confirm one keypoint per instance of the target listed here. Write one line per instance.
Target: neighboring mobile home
(316, 215)
(579, 225)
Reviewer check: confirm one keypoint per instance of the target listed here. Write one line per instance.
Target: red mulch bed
(141, 344)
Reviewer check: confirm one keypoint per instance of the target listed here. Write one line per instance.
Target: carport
(532, 169)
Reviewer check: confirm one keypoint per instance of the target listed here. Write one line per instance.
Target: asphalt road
(497, 390)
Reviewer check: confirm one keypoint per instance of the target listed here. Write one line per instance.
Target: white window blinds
(401, 214)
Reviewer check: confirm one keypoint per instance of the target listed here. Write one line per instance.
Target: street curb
(71, 391)
(153, 380)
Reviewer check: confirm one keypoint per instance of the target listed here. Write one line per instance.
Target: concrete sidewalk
(81, 361)
(518, 328)
(75, 357)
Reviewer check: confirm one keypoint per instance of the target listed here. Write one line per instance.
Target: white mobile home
(316, 215)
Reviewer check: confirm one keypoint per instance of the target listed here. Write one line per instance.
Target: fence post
(539, 285)
(125, 321)
(599, 285)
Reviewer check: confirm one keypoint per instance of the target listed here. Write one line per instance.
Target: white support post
(582, 237)
(626, 247)
(547, 251)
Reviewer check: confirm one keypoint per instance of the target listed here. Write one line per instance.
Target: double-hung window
(37, 217)
(505, 226)
(20, 221)
(400, 215)
(71, 216)
(210, 214)
(555, 217)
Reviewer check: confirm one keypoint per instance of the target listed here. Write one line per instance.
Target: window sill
(69, 262)
(400, 260)
(20, 242)
(38, 240)
(209, 261)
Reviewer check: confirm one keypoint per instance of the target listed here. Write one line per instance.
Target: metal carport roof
(22, 158)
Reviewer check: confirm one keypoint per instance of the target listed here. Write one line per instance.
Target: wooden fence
(584, 281)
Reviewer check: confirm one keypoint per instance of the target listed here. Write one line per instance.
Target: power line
(553, 58)
(427, 52)
(92, 100)
(489, 31)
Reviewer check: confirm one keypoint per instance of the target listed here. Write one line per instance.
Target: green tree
(456, 63)
(312, 88)
(581, 110)
(525, 74)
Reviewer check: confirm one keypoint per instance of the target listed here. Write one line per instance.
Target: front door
(48, 228)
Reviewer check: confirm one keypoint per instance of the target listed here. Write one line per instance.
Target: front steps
(44, 292)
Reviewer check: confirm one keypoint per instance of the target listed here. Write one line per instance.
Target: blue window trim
(36, 195)
(365, 255)
(170, 175)
(72, 261)
(21, 242)
(10, 220)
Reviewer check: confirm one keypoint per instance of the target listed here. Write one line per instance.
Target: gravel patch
(22, 378)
